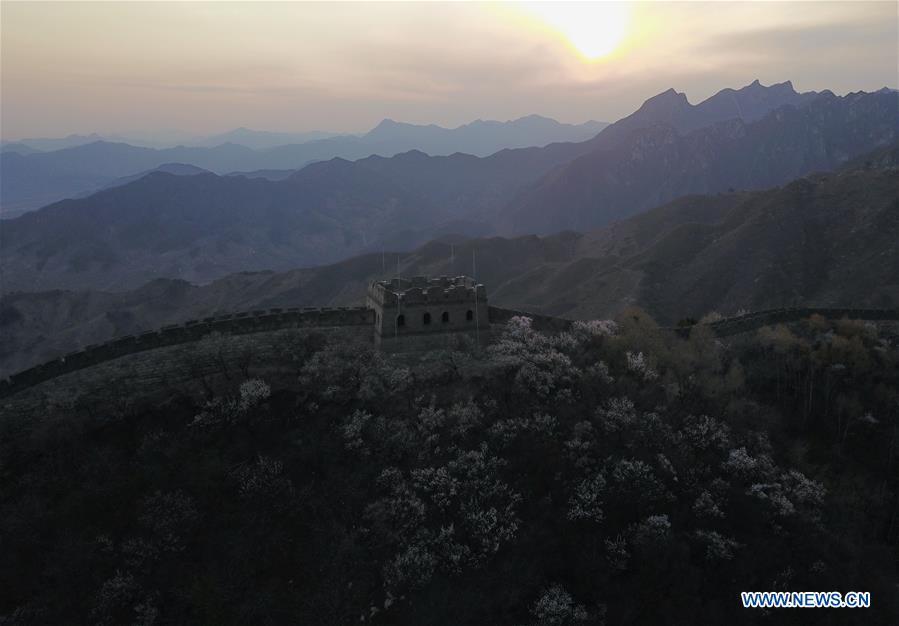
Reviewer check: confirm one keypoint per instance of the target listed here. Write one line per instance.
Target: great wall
(753, 321)
(362, 320)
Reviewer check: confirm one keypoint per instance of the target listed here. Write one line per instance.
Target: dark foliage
(614, 474)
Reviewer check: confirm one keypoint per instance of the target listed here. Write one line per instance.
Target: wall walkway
(294, 318)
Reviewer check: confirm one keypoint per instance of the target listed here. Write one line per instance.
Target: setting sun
(594, 29)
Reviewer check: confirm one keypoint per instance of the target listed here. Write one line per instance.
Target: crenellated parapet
(433, 312)
(419, 306)
(753, 321)
(173, 334)
(420, 290)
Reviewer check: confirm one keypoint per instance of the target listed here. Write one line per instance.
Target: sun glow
(594, 29)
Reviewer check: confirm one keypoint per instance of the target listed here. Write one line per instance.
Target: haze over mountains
(828, 240)
(479, 136)
(205, 226)
(30, 145)
(259, 139)
(660, 162)
(175, 169)
(177, 242)
(87, 163)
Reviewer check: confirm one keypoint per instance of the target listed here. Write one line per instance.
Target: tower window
(400, 320)
(426, 319)
(445, 317)
(469, 315)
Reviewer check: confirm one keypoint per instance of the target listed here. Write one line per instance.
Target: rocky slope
(657, 163)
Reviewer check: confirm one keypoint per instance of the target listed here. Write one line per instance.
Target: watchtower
(422, 313)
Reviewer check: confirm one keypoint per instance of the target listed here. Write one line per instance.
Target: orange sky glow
(206, 67)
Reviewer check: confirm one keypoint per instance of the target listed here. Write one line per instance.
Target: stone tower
(424, 313)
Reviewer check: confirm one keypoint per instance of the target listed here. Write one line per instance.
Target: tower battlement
(421, 290)
(428, 306)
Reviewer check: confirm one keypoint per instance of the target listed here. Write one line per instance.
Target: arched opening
(426, 319)
(469, 315)
(445, 317)
(400, 320)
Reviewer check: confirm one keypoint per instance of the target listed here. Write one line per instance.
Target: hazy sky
(207, 67)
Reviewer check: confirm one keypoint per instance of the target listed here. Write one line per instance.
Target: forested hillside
(613, 474)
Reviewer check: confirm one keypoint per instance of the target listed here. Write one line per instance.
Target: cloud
(208, 66)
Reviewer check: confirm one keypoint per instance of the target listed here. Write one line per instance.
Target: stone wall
(754, 321)
(216, 361)
(415, 320)
(235, 324)
(360, 323)
(448, 340)
(418, 306)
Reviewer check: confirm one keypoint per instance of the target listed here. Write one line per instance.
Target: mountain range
(485, 136)
(33, 179)
(828, 239)
(248, 137)
(205, 226)
(658, 162)
(259, 139)
(176, 169)
(202, 227)
(30, 145)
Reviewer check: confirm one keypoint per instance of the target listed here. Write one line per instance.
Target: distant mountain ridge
(202, 227)
(825, 240)
(48, 144)
(260, 139)
(36, 179)
(482, 137)
(672, 108)
(749, 103)
(18, 147)
(176, 169)
(31, 181)
(633, 170)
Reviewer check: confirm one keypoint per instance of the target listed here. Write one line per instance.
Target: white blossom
(556, 607)
(252, 393)
(706, 506)
(652, 529)
(717, 546)
(586, 503)
(637, 363)
(412, 568)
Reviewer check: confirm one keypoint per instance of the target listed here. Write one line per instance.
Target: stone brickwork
(753, 321)
(261, 321)
(179, 369)
(467, 320)
(419, 313)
